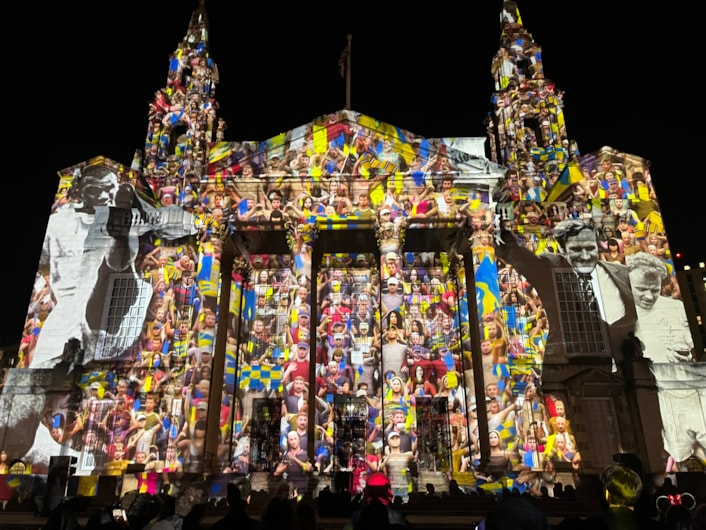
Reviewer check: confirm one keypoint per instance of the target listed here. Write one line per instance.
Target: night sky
(79, 76)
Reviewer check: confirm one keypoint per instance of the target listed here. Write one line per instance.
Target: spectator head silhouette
(621, 485)
(516, 513)
(378, 488)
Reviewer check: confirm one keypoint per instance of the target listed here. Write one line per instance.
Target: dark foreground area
(454, 509)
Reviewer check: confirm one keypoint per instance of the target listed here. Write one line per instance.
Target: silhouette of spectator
(373, 515)
(142, 509)
(679, 518)
(676, 511)
(377, 498)
(238, 495)
(189, 509)
(515, 513)
(700, 516)
(633, 347)
(304, 517)
(336, 503)
(622, 489)
(278, 513)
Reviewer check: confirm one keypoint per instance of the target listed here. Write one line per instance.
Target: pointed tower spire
(526, 129)
(182, 119)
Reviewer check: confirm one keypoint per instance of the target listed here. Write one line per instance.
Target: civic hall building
(342, 297)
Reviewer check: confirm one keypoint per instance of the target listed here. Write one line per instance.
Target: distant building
(692, 281)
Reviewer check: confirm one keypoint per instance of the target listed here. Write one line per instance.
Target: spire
(510, 16)
(197, 34)
(182, 116)
(526, 129)
(516, 46)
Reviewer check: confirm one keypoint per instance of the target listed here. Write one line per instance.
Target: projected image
(388, 333)
(361, 361)
(613, 295)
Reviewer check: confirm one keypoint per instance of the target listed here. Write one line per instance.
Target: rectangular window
(123, 315)
(581, 323)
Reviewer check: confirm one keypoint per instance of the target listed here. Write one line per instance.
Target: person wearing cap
(398, 423)
(449, 336)
(395, 464)
(94, 390)
(300, 330)
(367, 346)
(384, 214)
(139, 437)
(393, 297)
(612, 185)
(362, 313)
(623, 226)
(338, 341)
(390, 266)
(299, 365)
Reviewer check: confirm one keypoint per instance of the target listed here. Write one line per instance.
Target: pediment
(373, 143)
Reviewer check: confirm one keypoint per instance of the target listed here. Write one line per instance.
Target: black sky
(79, 76)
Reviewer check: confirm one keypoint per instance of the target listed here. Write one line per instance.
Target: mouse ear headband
(664, 502)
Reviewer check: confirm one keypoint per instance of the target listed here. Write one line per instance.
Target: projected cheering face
(99, 190)
(581, 251)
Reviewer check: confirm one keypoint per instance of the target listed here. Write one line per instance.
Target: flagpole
(348, 72)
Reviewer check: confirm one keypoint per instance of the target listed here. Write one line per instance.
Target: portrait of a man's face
(582, 251)
(99, 190)
(645, 288)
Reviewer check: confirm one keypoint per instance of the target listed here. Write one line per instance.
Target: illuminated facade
(339, 298)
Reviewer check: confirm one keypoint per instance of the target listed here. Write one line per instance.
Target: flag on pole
(571, 175)
(343, 60)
